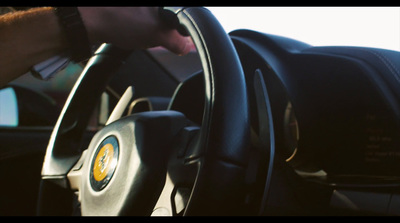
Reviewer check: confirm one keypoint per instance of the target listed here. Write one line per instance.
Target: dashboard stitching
(387, 63)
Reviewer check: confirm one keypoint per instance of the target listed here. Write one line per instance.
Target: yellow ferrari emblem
(103, 162)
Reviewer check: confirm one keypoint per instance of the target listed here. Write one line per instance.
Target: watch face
(104, 163)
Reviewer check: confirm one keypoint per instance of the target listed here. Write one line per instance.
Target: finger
(177, 43)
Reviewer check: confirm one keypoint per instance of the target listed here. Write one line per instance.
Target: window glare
(8, 107)
(377, 27)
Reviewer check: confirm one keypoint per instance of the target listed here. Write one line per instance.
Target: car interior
(248, 124)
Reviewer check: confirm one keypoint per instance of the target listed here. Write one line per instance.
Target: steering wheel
(154, 163)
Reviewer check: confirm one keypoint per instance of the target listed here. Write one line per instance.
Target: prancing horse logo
(102, 162)
(103, 166)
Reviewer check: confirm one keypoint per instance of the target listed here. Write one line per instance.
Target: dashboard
(325, 122)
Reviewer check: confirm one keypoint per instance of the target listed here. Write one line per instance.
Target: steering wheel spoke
(75, 174)
(181, 174)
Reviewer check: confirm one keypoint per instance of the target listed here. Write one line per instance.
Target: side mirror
(8, 107)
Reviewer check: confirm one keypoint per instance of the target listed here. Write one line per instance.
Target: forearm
(28, 38)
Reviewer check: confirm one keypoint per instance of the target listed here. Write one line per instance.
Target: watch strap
(76, 33)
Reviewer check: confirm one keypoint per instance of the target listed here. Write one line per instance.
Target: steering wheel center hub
(126, 171)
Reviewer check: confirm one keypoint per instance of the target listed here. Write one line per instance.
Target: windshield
(377, 27)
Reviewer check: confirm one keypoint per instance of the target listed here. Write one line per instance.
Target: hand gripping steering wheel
(154, 163)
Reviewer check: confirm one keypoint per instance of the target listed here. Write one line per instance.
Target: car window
(377, 27)
(38, 102)
(8, 107)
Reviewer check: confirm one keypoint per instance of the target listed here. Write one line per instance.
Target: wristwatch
(79, 50)
(75, 31)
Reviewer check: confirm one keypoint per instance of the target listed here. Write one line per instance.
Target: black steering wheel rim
(222, 148)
